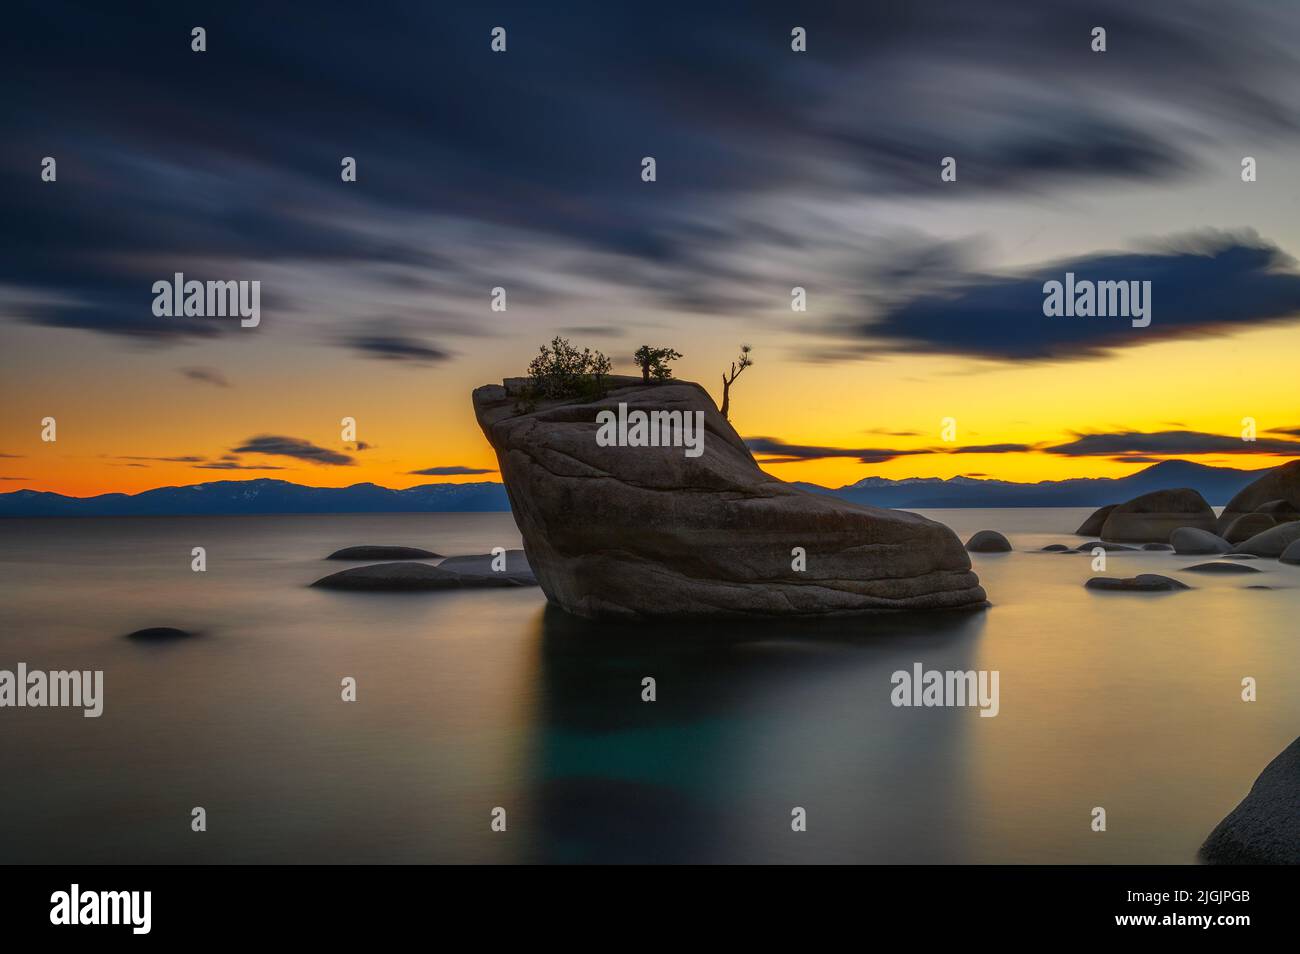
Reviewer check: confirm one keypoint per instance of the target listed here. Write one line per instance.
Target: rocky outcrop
(1265, 828)
(1270, 543)
(650, 530)
(1092, 526)
(1151, 518)
(1189, 541)
(1142, 583)
(1247, 525)
(382, 553)
(1279, 484)
(988, 541)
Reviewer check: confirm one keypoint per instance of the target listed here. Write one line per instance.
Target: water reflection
(752, 718)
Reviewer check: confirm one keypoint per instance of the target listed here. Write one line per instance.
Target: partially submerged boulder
(406, 577)
(1092, 526)
(1291, 555)
(159, 634)
(1191, 541)
(1279, 484)
(1247, 525)
(1221, 568)
(688, 525)
(1142, 583)
(1153, 517)
(1265, 828)
(988, 541)
(1270, 543)
(383, 553)
(508, 564)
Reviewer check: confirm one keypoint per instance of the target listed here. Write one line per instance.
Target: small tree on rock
(729, 377)
(653, 362)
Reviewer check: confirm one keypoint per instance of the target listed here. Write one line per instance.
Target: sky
(522, 170)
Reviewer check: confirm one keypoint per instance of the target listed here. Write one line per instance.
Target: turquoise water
(477, 700)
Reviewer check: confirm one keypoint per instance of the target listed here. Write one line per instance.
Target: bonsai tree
(653, 362)
(562, 371)
(729, 377)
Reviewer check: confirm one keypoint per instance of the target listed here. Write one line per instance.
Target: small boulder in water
(382, 553)
(1056, 548)
(1271, 543)
(1193, 541)
(1142, 583)
(159, 634)
(1221, 568)
(988, 541)
(1247, 525)
(1108, 547)
(1291, 554)
(1157, 546)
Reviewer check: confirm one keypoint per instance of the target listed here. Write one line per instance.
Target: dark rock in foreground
(1108, 547)
(159, 634)
(1157, 547)
(1092, 526)
(1056, 548)
(1265, 828)
(1153, 517)
(382, 553)
(1191, 541)
(1221, 568)
(1281, 484)
(1291, 555)
(400, 577)
(515, 565)
(613, 530)
(1142, 583)
(988, 541)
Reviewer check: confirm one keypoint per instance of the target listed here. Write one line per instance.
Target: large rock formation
(644, 531)
(1279, 486)
(1092, 526)
(1153, 517)
(1270, 543)
(1265, 828)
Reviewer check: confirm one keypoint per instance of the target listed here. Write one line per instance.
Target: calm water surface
(468, 701)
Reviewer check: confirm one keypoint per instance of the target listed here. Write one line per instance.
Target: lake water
(473, 700)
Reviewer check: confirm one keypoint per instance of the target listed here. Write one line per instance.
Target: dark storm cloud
(229, 159)
(291, 447)
(1202, 285)
(792, 453)
(231, 465)
(992, 449)
(452, 470)
(168, 460)
(1167, 443)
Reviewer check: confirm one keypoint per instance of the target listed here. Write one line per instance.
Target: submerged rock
(988, 541)
(613, 530)
(1142, 583)
(1191, 541)
(1281, 485)
(1056, 548)
(1271, 543)
(1221, 568)
(1265, 828)
(382, 553)
(1159, 547)
(513, 562)
(1153, 517)
(1108, 547)
(159, 634)
(398, 577)
(1092, 526)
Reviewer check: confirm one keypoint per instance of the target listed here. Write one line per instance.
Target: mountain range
(267, 496)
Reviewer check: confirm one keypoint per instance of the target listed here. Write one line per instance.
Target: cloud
(791, 453)
(451, 471)
(396, 348)
(992, 449)
(1211, 284)
(206, 376)
(292, 447)
(1140, 446)
(232, 465)
(168, 460)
